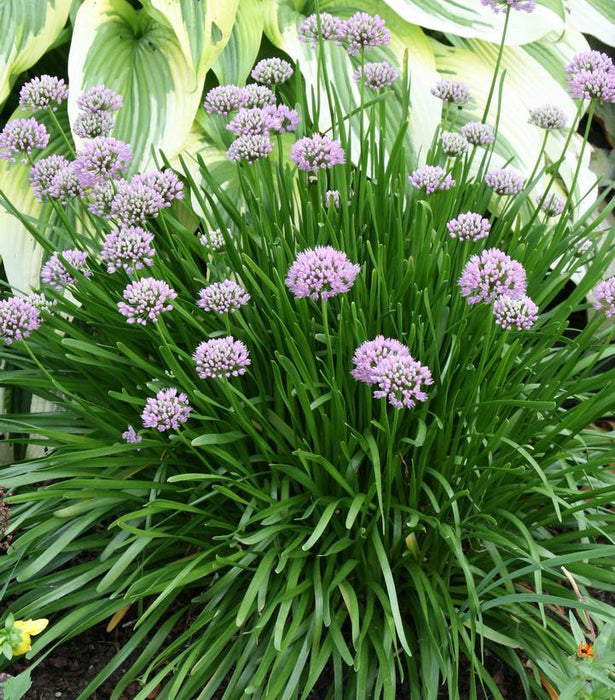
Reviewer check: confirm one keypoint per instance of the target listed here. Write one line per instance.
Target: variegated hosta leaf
(237, 59)
(472, 19)
(142, 60)
(28, 29)
(20, 253)
(202, 27)
(281, 23)
(595, 17)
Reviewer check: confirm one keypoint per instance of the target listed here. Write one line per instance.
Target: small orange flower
(585, 651)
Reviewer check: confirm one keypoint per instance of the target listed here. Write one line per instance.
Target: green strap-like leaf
(237, 59)
(28, 28)
(142, 60)
(595, 17)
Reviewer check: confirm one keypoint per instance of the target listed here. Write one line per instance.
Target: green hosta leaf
(236, 61)
(202, 28)
(143, 61)
(28, 29)
(595, 17)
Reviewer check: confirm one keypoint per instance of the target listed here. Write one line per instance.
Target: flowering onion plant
(334, 440)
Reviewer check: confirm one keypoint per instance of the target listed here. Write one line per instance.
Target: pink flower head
(454, 144)
(504, 182)
(250, 148)
(18, 318)
(272, 71)
(167, 411)
(214, 239)
(43, 172)
(252, 121)
(320, 273)
(66, 184)
(332, 198)
(548, 117)
(91, 125)
(330, 28)
(451, 91)
(477, 133)
(163, 182)
(129, 248)
(370, 353)
(515, 313)
(55, 274)
(490, 275)
(503, 5)
(20, 137)
(431, 178)
(99, 99)
(223, 297)
(42, 92)
(131, 436)
(258, 96)
(553, 205)
(146, 299)
(376, 75)
(221, 357)
(224, 99)
(135, 201)
(312, 153)
(400, 379)
(101, 196)
(102, 158)
(363, 31)
(591, 75)
(604, 296)
(283, 118)
(469, 227)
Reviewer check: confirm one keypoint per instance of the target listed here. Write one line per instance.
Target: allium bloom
(548, 117)
(42, 92)
(252, 121)
(477, 133)
(590, 60)
(250, 147)
(272, 71)
(129, 248)
(454, 144)
(101, 195)
(518, 313)
(18, 318)
(283, 118)
(99, 99)
(604, 296)
(91, 125)
(314, 152)
(363, 31)
(214, 240)
(40, 302)
(131, 436)
(223, 297)
(553, 205)
(504, 182)
(67, 184)
(469, 227)
(135, 201)
(490, 275)
(591, 75)
(370, 353)
(400, 379)
(167, 411)
(320, 273)
(221, 357)
(431, 178)
(146, 300)
(258, 96)
(332, 197)
(376, 75)
(330, 28)
(20, 137)
(43, 172)
(102, 158)
(224, 99)
(503, 5)
(164, 182)
(54, 272)
(452, 91)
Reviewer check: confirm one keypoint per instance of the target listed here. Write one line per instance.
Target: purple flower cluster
(503, 5)
(518, 313)
(284, 118)
(604, 296)
(223, 297)
(388, 364)
(20, 137)
(504, 182)
(254, 121)
(553, 205)
(165, 412)
(431, 178)
(258, 96)
(250, 148)
(43, 173)
(490, 275)
(67, 184)
(55, 273)
(548, 117)
(452, 91)
(102, 158)
(128, 248)
(332, 198)
(376, 75)
(477, 133)
(134, 201)
(272, 71)
(320, 273)
(131, 436)
(329, 29)
(224, 99)
(99, 99)
(221, 357)
(214, 239)
(469, 226)
(40, 302)
(163, 182)
(91, 125)
(312, 153)
(96, 119)
(591, 75)
(101, 196)
(18, 318)
(43, 92)
(363, 31)
(146, 299)
(454, 144)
